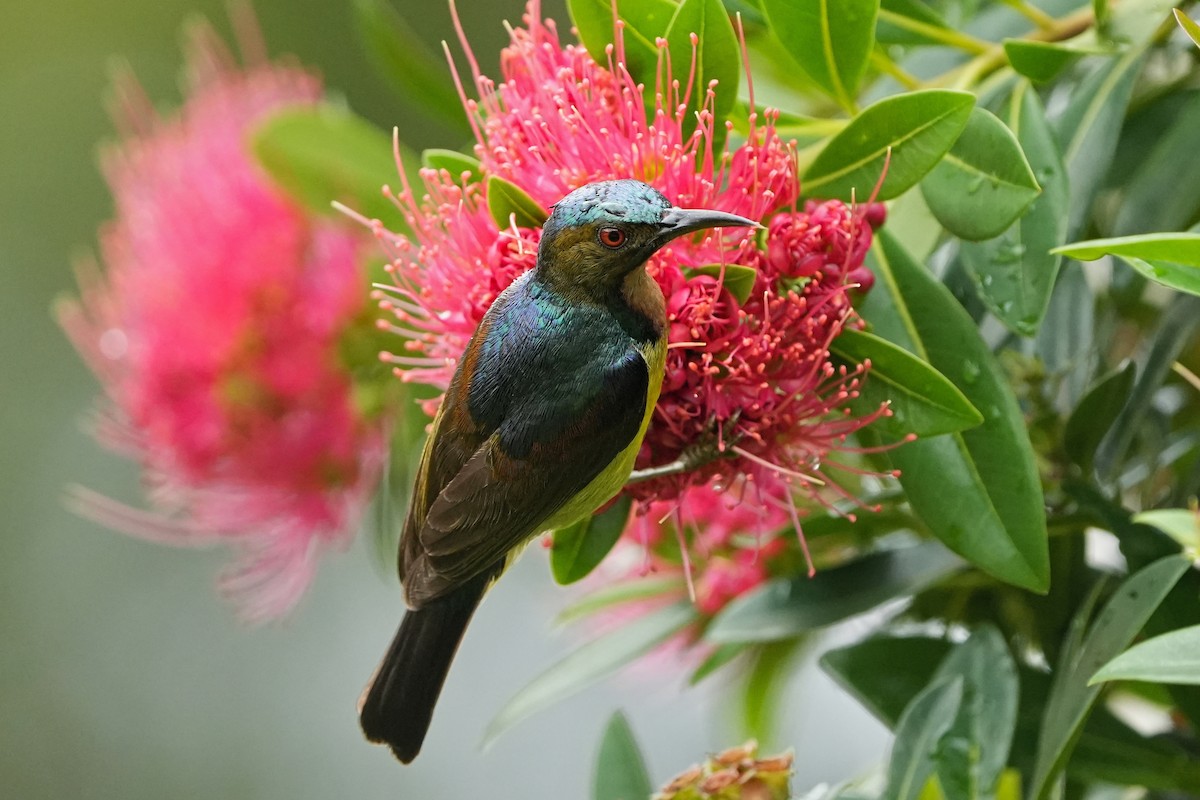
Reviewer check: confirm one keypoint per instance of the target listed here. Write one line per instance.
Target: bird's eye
(612, 238)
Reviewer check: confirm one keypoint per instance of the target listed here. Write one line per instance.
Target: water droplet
(1006, 306)
(970, 371)
(976, 184)
(987, 280)
(1008, 253)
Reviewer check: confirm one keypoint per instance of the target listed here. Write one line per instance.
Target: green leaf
(885, 672)
(400, 54)
(1042, 62)
(975, 749)
(1181, 524)
(1162, 193)
(717, 659)
(784, 608)
(918, 127)
(1171, 658)
(620, 768)
(830, 39)
(1174, 332)
(1181, 248)
(1089, 127)
(739, 280)
(1015, 272)
(645, 21)
(615, 594)
(1071, 697)
(892, 27)
(1189, 26)
(766, 680)
(984, 183)
(922, 400)
(977, 490)
(579, 548)
(1174, 276)
(918, 733)
(1095, 415)
(717, 57)
(593, 662)
(509, 204)
(462, 168)
(319, 155)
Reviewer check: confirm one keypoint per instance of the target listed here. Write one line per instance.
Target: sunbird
(539, 427)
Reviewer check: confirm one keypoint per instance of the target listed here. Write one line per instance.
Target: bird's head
(600, 233)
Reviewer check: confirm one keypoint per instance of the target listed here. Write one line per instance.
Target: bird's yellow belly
(606, 485)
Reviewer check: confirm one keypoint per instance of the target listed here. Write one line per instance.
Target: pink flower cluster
(753, 378)
(216, 335)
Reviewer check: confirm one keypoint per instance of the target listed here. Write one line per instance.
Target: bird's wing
(557, 434)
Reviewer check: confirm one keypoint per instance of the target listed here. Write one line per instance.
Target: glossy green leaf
(1171, 658)
(1096, 413)
(918, 127)
(1181, 248)
(645, 21)
(620, 768)
(1071, 697)
(984, 183)
(1176, 276)
(927, 718)
(739, 280)
(718, 58)
(1041, 62)
(978, 490)
(1089, 127)
(1189, 26)
(1181, 524)
(578, 549)
(326, 154)
(509, 204)
(461, 167)
(401, 56)
(593, 662)
(785, 608)
(885, 672)
(922, 400)
(830, 39)
(1015, 272)
(975, 749)
(1067, 341)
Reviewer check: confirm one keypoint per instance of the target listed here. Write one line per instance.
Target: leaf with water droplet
(978, 490)
(1015, 271)
(984, 183)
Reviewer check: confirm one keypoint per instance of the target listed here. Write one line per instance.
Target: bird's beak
(679, 221)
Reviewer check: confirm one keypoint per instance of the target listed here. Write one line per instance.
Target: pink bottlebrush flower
(736, 537)
(753, 379)
(216, 332)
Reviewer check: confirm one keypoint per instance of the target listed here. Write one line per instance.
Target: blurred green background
(121, 674)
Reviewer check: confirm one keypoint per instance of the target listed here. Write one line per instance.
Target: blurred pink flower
(215, 333)
(754, 376)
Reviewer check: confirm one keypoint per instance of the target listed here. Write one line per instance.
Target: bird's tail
(397, 706)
